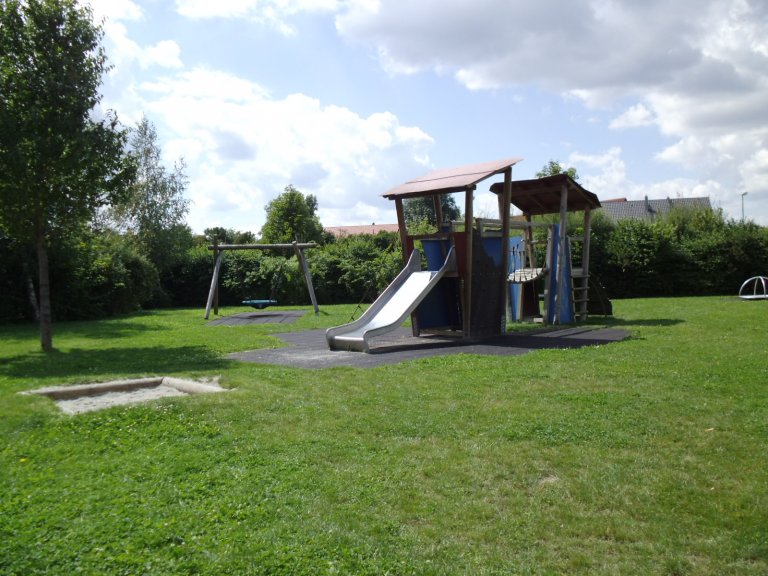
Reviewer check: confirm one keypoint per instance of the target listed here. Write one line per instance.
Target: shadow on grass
(103, 330)
(96, 330)
(90, 364)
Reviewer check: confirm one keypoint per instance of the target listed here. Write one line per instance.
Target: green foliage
(188, 282)
(94, 274)
(291, 216)
(355, 268)
(553, 168)
(152, 213)
(422, 209)
(692, 252)
(15, 277)
(58, 163)
(262, 276)
(98, 275)
(228, 236)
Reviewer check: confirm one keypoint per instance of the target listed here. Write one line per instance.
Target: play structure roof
(542, 195)
(447, 180)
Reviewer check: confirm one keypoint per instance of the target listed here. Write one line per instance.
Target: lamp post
(742, 206)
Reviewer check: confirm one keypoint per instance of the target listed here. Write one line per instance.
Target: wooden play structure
(497, 271)
(218, 254)
(478, 274)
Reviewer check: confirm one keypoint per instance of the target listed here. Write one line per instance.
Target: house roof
(542, 195)
(447, 180)
(623, 209)
(342, 231)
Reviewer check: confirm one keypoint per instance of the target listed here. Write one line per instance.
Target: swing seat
(260, 304)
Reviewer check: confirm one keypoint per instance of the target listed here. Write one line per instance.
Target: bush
(687, 252)
(99, 275)
(356, 268)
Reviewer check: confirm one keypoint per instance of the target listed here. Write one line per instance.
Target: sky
(345, 99)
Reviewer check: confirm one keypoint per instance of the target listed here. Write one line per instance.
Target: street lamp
(742, 206)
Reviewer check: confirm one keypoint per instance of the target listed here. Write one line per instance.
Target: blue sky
(345, 99)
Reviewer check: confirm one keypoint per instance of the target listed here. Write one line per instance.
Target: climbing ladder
(579, 285)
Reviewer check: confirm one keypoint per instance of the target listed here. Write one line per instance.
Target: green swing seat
(260, 304)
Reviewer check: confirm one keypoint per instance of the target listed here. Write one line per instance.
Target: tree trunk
(31, 293)
(46, 336)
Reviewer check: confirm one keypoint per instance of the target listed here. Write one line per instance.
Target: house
(373, 228)
(623, 209)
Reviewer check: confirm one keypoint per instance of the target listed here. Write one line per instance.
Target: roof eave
(450, 180)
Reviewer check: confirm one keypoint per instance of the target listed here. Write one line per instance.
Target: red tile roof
(341, 231)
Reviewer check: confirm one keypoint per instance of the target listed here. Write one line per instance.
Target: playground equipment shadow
(309, 349)
(276, 317)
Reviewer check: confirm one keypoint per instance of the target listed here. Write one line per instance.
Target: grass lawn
(648, 456)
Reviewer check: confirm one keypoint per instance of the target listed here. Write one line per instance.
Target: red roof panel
(446, 180)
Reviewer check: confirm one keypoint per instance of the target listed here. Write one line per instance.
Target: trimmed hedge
(95, 275)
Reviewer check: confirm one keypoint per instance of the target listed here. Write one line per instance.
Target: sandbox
(88, 397)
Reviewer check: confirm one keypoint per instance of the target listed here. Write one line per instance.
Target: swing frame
(218, 254)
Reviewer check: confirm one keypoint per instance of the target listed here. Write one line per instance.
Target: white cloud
(115, 9)
(242, 147)
(634, 117)
(605, 175)
(696, 71)
(123, 51)
(274, 13)
(166, 54)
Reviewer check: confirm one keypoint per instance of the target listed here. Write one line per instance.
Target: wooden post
(468, 225)
(504, 215)
(214, 284)
(561, 251)
(437, 202)
(216, 292)
(585, 246)
(584, 280)
(402, 229)
(307, 276)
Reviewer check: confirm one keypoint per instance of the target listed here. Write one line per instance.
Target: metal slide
(394, 305)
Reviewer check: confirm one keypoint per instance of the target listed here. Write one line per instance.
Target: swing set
(218, 254)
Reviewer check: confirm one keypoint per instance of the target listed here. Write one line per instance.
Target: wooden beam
(307, 276)
(214, 284)
(303, 246)
(468, 225)
(561, 250)
(437, 203)
(504, 215)
(586, 245)
(402, 229)
(216, 253)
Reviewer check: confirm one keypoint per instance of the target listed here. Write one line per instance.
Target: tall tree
(229, 235)
(553, 167)
(291, 216)
(58, 163)
(154, 210)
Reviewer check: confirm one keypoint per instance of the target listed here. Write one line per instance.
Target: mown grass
(642, 457)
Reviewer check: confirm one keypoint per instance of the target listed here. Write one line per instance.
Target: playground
(638, 457)
(478, 274)
(624, 443)
(308, 349)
